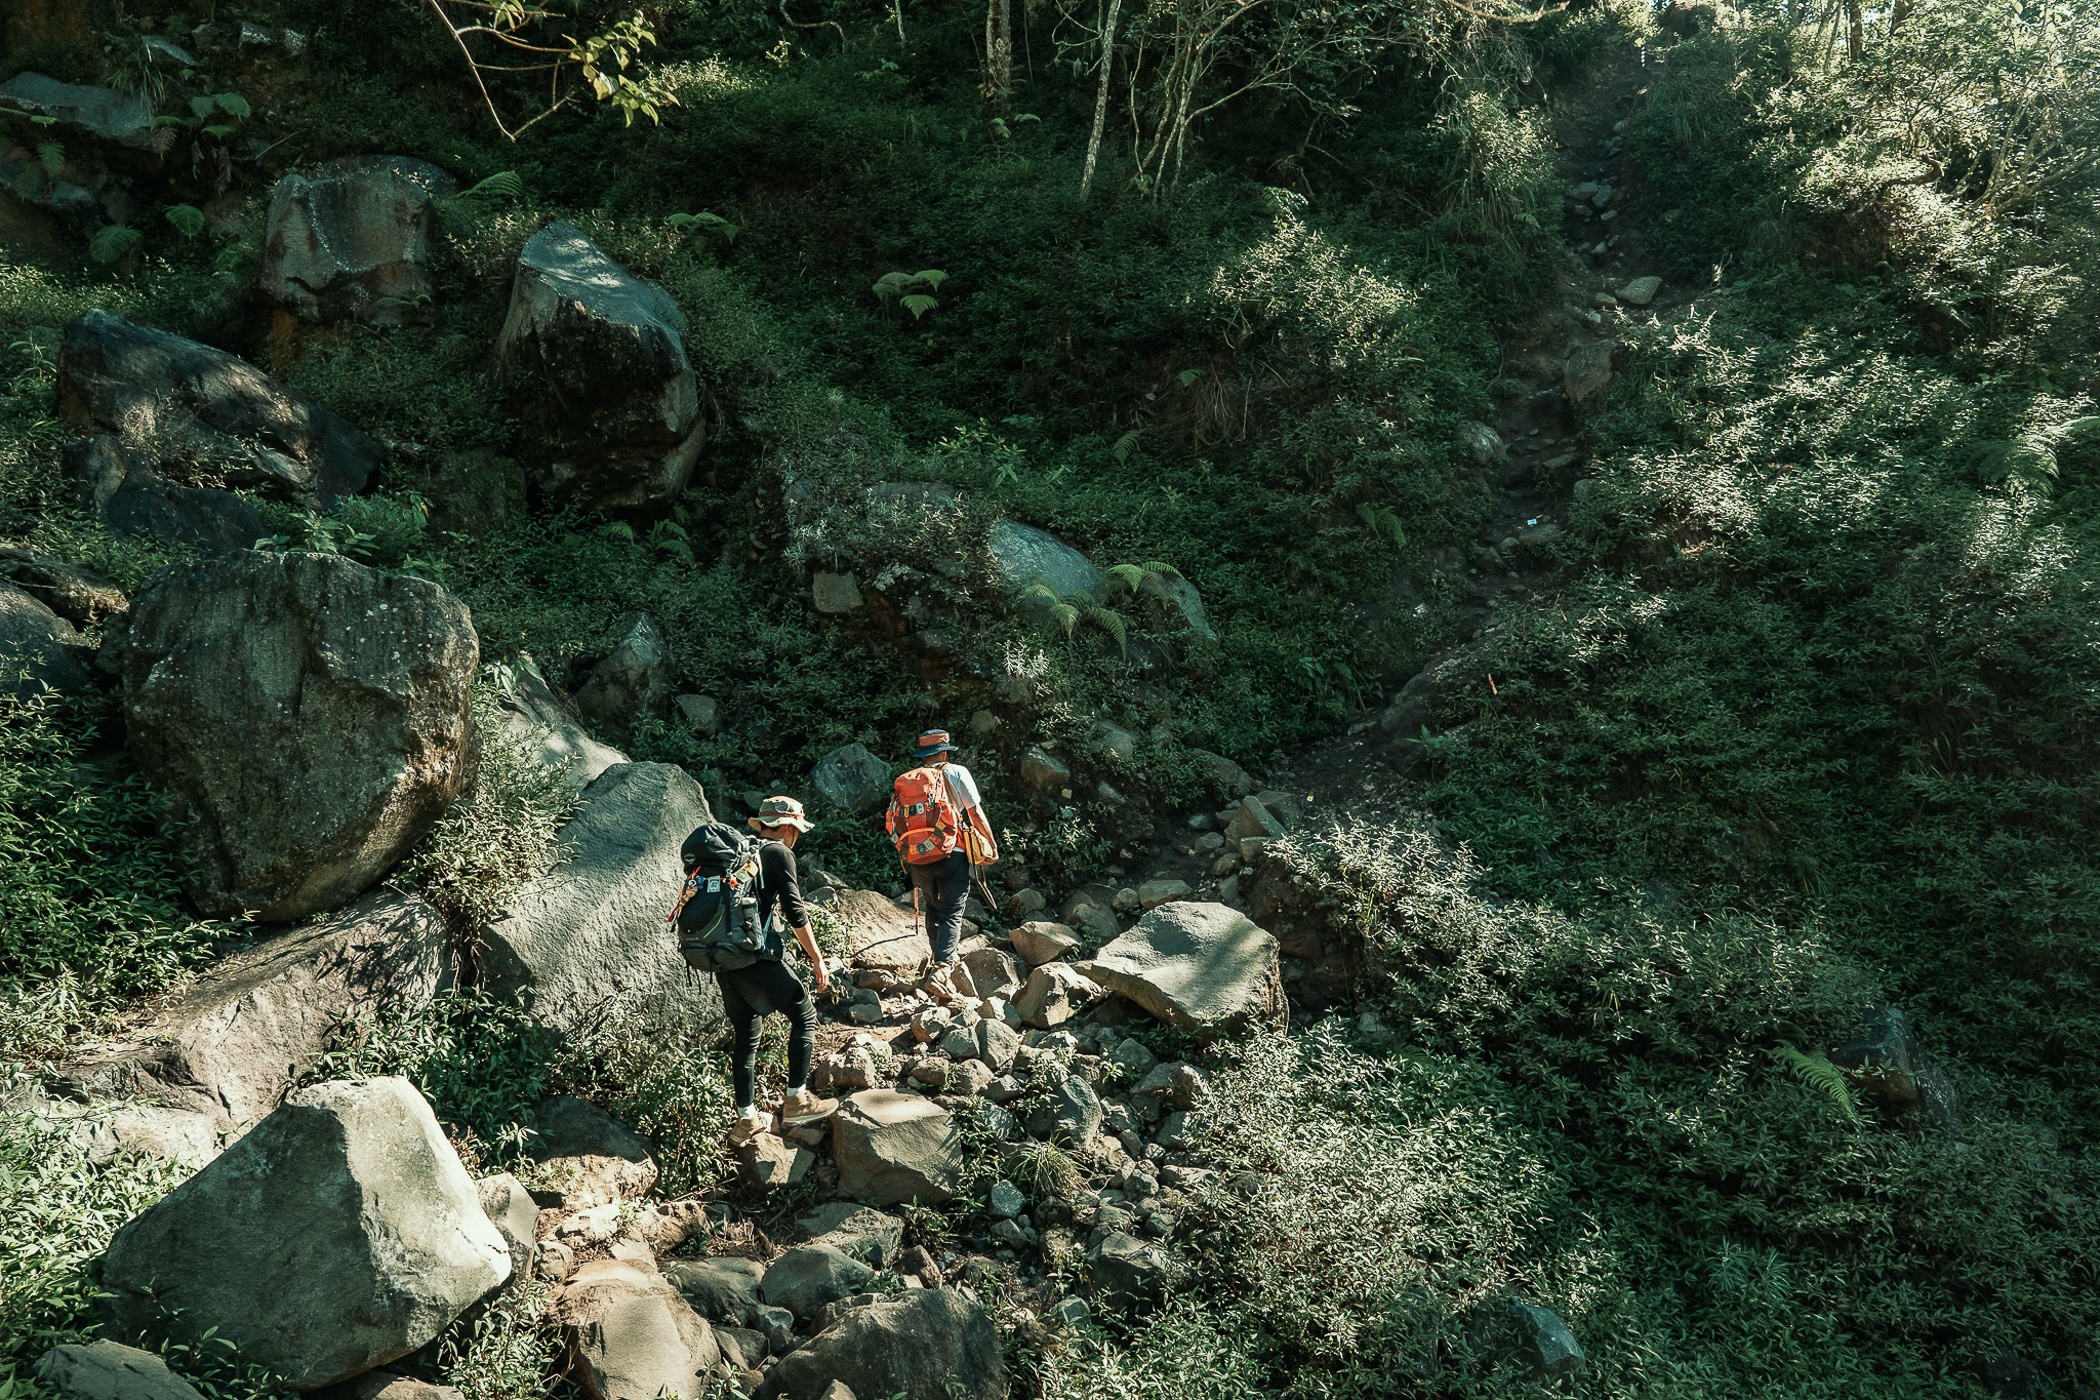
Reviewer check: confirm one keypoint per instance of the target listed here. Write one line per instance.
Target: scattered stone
(533, 715)
(871, 1236)
(1127, 901)
(993, 973)
(188, 413)
(1113, 743)
(587, 1155)
(808, 1276)
(292, 808)
(1053, 994)
(832, 594)
(1640, 291)
(39, 650)
(1537, 1335)
(632, 1336)
(702, 714)
(633, 681)
(927, 1344)
(596, 364)
(1895, 1072)
(845, 1070)
(1024, 556)
(750, 1346)
(891, 1148)
(725, 1290)
(121, 119)
(766, 1163)
(1006, 1200)
(851, 779)
(1482, 443)
(1028, 901)
(226, 1046)
(1202, 968)
(968, 1078)
(510, 1208)
(1039, 942)
(340, 1233)
(1154, 893)
(1601, 196)
(1179, 1130)
(110, 1371)
(1070, 1112)
(1588, 369)
(593, 929)
(1083, 912)
(933, 1073)
(1044, 774)
(1253, 819)
(1135, 1059)
(384, 1385)
(1070, 1312)
(355, 241)
(1131, 1270)
(881, 935)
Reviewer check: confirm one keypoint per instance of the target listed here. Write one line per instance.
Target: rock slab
(110, 1371)
(354, 241)
(927, 1344)
(200, 416)
(596, 362)
(228, 1045)
(309, 716)
(1202, 968)
(338, 1235)
(594, 928)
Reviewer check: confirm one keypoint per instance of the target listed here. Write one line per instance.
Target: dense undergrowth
(1806, 720)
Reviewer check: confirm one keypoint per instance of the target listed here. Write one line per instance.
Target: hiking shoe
(746, 1129)
(940, 984)
(797, 1108)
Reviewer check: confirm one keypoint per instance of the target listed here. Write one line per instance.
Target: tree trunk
(1108, 59)
(999, 57)
(1855, 30)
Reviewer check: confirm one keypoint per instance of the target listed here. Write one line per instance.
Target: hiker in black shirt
(750, 993)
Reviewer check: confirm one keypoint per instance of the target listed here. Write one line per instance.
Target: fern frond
(1819, 1074)
(504, 184)
(1129, 575)
(1111, 622)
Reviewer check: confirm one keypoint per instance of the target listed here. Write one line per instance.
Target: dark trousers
(943, 887)
(751, 993)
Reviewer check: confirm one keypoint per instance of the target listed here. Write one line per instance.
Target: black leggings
(753, 992)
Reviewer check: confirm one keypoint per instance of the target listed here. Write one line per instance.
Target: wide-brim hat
(781, 811)
(933, 741)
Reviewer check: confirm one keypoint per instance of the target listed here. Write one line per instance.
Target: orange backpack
(922, 818)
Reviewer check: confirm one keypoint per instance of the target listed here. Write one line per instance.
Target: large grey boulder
(891, 1148)
(229, 1044)
(1040, 941)
(1201, 968)
(926, 1344)
(596, 363)
(533, 716)
(851, 779)
(108, 1370)
(593, 929)
(355, 241)
(632, 1336)
(808, 1276)
(339, 1234)
(1588, 369)
(120, 118)
(1024, 556)
(309, 716)
(587, 1155)
(200, 416)
(39, 650)
(634, 680)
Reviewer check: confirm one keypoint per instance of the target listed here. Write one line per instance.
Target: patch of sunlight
(1299, 280)
(709, 80)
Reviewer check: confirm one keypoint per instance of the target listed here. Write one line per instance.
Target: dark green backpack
(717, 912)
